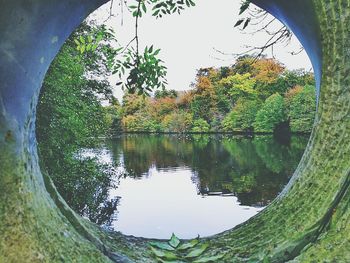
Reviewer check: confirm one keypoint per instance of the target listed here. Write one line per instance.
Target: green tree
(242, 117)
(70, 117)
(201, 107)
(271, 114)
(239, 86)
(223, 101)
(290, 79)
(301, 108)
(113, 115)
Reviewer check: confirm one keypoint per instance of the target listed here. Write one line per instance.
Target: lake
(192, 185)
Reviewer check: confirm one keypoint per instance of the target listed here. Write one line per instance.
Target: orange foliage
(164, 106)
(203, 84)
(292, 92)
(184, 99)
(267, 70)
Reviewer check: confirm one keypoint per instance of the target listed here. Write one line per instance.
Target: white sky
(187, 40)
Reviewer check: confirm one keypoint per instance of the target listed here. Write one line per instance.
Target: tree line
(252, 95)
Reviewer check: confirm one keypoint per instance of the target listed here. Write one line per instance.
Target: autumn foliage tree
(252, 95)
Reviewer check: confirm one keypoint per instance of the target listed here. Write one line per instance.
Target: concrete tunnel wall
(31, 212)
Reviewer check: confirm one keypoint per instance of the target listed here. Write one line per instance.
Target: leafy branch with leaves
(245, 21)
(161, 7)
(146, 72)
(177, 251)
(138, 73)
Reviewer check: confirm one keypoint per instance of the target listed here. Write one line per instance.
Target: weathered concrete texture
(333, 244)
(311, 216)
(308, 222)
(32, 228)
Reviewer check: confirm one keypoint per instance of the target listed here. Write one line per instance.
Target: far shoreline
(240, 133)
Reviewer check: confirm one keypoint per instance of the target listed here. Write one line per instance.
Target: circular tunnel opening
(161, 173)
(292, 227)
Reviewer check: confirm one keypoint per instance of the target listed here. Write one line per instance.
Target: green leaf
(156, 52)
(82, 49)
(135, 13)
(163, 254)
(144, 7)
(174, 241)
(189, 245)
(88, 47)
(162, 245)
(94, 47)
(239, 22)
(197, 251)
(246, 23)
(76, 42)
(156, 13)
(99, 38)
(82, 40)
(244, 7)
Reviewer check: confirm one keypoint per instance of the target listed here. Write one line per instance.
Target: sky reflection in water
(164, 202)
(196, 185)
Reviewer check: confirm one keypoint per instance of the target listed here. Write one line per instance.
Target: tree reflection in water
(254, 169)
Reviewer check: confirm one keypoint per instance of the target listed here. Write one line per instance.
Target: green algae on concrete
(308, 222)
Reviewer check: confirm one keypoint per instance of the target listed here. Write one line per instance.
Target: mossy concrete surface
(308, 222)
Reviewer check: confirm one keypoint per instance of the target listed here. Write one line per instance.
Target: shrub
(200, 125)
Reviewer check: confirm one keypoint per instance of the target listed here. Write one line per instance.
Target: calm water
(193, 185)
